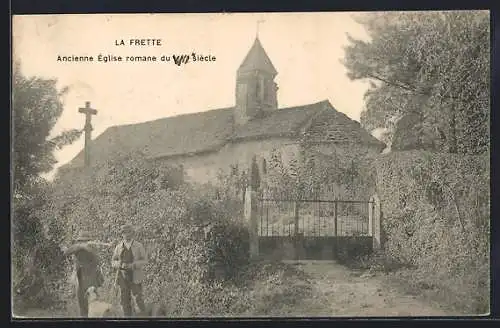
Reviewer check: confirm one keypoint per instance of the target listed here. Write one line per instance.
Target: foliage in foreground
(261, 289)
(436, 218)
(192, 240)
(36, 107)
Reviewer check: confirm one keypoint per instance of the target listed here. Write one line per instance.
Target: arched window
(264, 166)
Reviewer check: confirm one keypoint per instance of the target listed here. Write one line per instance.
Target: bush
(264, 289)
(36, 255)
(211, 249)
(192, 240)
(436, 218)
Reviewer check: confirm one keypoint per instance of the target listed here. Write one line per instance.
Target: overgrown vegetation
(436, 219)
(434, 65)
(436, 224)
(314, 175)
(430, 90)
(197, 245)
(36, 256)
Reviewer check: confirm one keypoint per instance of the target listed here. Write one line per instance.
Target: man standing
(87, 269)
(129, 259)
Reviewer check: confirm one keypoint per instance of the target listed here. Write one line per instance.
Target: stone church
(206, 142)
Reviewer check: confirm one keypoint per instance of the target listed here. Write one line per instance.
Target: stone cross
(88, 111)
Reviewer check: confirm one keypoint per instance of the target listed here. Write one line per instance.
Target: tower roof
(257, 59)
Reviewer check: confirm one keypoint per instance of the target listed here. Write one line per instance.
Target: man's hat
(127, 228)
(84, 236)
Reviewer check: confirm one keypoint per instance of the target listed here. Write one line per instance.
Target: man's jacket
(140, 259)
(87, 266)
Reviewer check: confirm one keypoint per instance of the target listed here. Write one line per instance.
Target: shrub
(191, 239)
(36, 256)
(265, 289)
(436, 218)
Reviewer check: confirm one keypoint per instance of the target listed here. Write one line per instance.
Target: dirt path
(339, 291)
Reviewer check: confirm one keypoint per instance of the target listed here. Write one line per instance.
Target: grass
(302, 289)
(453, 293)
(267, 289)
(261, 289)
(455, 296)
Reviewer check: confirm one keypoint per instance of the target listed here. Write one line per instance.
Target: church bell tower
(256, 91)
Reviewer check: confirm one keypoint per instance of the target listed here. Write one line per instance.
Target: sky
(305, 48)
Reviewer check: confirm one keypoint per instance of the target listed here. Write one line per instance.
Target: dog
(100, 309)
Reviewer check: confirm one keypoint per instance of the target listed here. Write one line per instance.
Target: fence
(313, 217)
(312, 228)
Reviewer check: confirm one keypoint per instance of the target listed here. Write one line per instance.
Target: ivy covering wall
(436, 218)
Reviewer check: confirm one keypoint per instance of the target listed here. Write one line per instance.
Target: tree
(36, 107)
(433, 64)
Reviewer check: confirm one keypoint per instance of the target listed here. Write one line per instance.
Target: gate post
(296, 229)
(296, 217)
(371, 207)
(250, 213)
(374, 225)
(335, 219)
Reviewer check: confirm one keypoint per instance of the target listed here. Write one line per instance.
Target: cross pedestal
(88, 111)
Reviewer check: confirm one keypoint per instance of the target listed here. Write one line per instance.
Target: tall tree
(36, 107)
(434, 64)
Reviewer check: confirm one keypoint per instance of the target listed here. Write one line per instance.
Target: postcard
(249, 165)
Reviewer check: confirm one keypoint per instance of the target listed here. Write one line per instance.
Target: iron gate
(313, 229)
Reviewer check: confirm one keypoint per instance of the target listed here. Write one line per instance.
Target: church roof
(257, 59)
(209, 131)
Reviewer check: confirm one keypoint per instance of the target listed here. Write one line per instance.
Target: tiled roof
(164, 137)
(280, 123)
(334, 126)
(210, 130)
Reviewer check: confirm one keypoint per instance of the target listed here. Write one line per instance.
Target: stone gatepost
(374, 224)
(251, 218)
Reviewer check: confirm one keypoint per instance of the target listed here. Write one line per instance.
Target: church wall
(204, 168)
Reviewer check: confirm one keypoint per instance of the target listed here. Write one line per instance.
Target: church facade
(212, 141)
